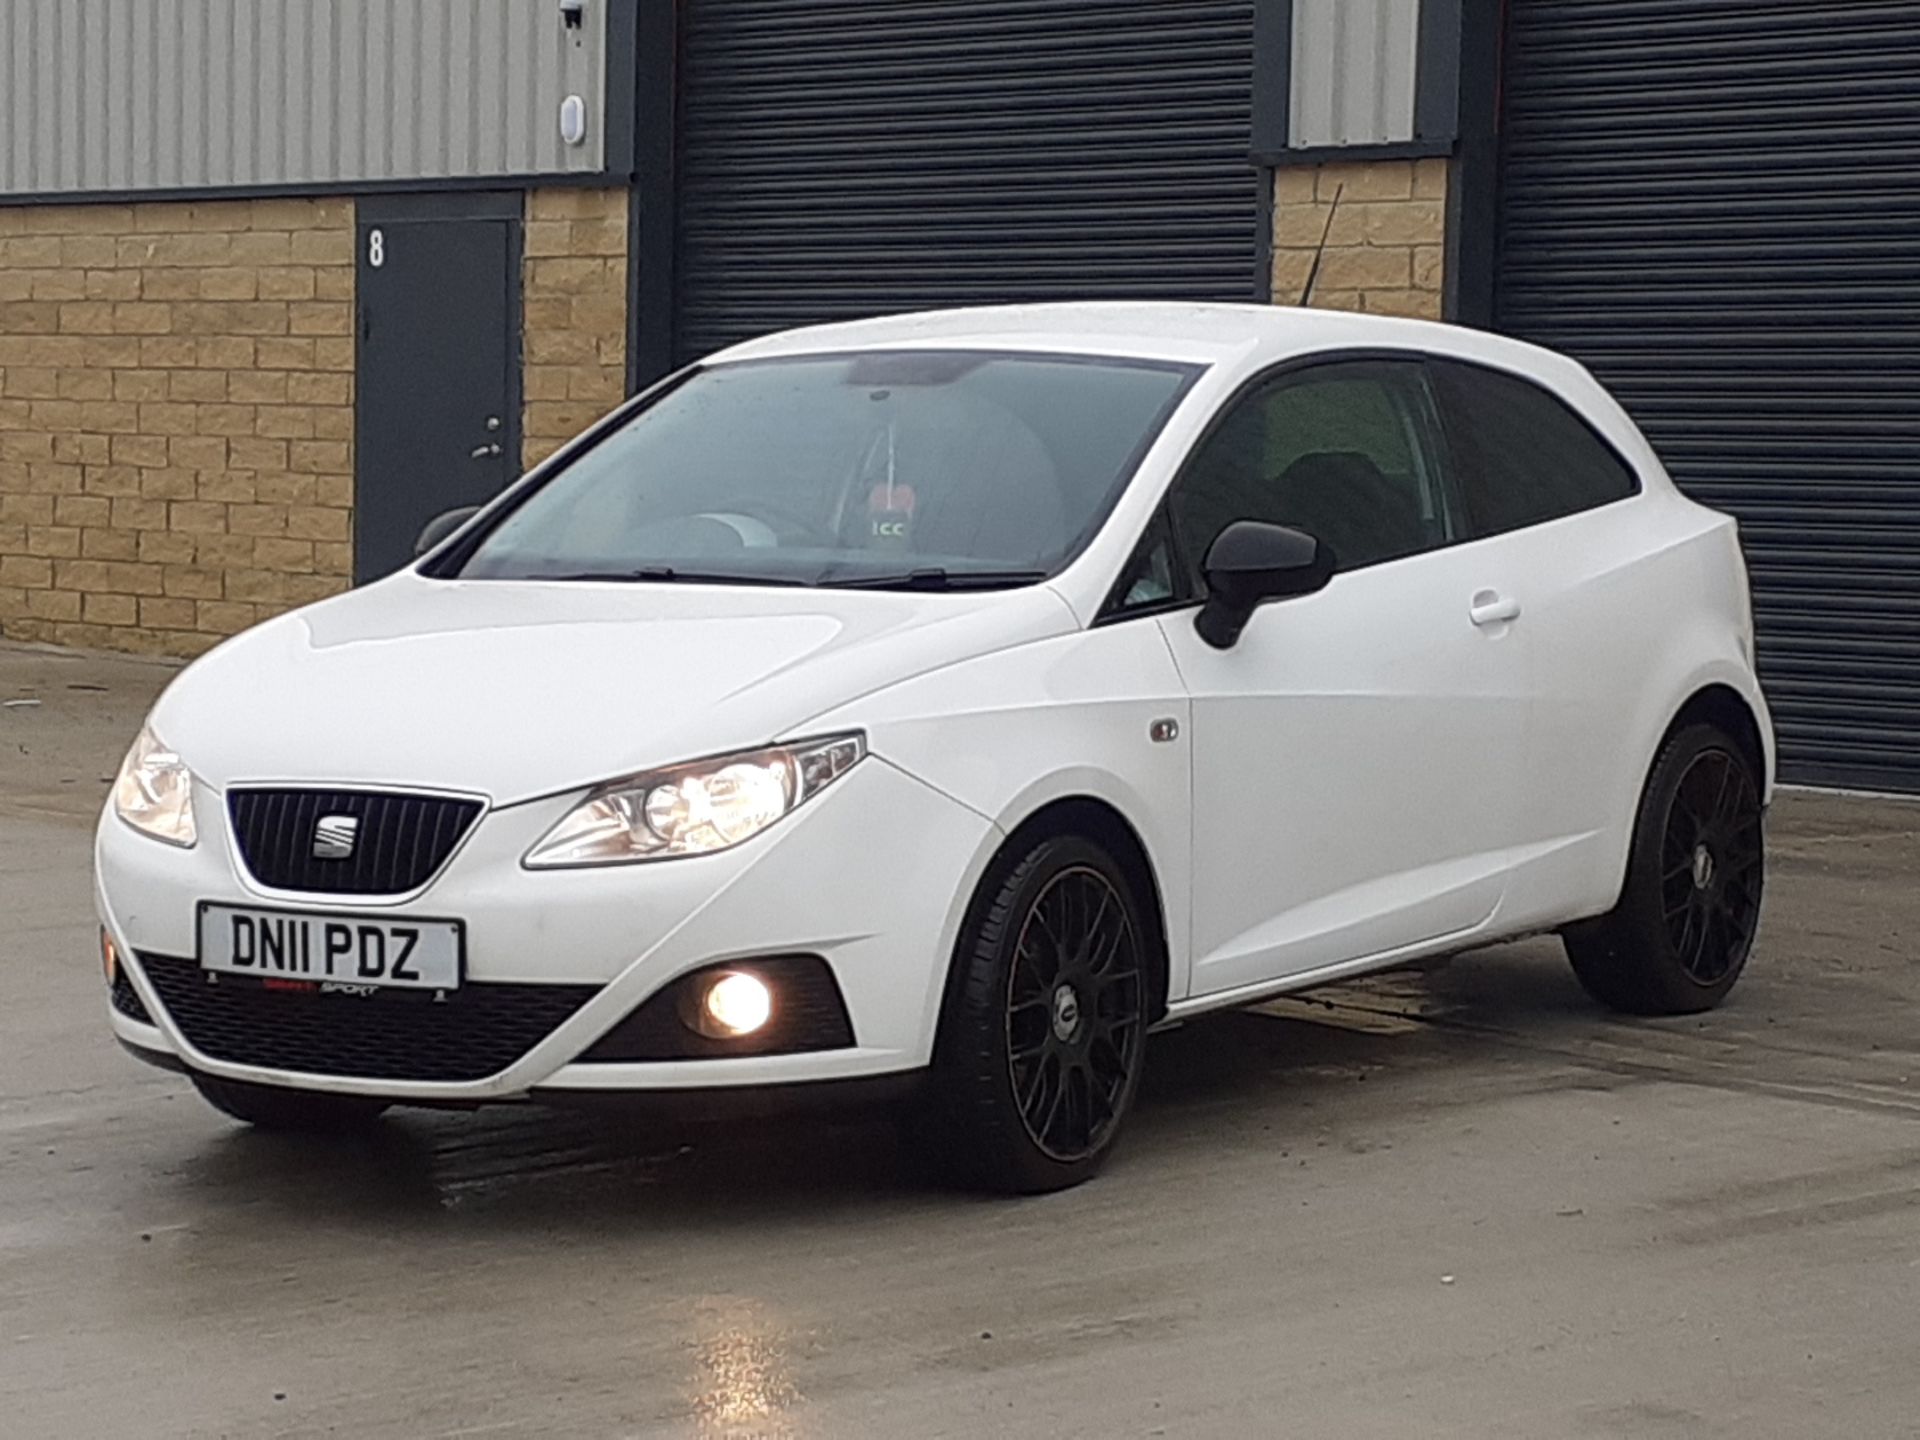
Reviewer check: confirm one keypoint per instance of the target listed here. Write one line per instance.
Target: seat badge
(334, 835)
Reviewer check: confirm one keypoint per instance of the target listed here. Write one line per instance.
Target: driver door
(1358, 755)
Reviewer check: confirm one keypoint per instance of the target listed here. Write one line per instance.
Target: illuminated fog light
(734, 1004)
(109, 956)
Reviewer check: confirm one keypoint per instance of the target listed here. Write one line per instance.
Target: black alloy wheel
(1073, 1014)
(1044, 1029)
(1689, 909)
(1710, 866)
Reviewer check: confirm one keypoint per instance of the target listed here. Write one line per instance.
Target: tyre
(269, 1107)
(1040, 1045)
(1679, 937)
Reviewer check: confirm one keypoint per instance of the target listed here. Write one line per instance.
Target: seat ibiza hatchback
(944, 702)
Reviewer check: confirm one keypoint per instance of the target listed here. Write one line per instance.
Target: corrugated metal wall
(1715, 206)
(164, 94)
(870, 156)
(1353, 71)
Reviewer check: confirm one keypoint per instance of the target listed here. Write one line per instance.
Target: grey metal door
(437, 397)
(1716, 205)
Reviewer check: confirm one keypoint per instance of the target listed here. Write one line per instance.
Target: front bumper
(872, 876)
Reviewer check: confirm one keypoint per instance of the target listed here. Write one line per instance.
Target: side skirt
(1459, 941)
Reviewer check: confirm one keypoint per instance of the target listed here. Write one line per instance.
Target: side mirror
(441, 526)
(1250, 563)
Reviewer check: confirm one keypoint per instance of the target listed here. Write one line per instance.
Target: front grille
(402, 840)
(475, 1032)
(126, 1000)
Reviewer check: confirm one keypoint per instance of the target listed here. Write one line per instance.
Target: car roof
(1160, 330)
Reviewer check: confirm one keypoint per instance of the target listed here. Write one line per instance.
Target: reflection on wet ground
(500, 1167)
(743, 1379)
(1622, 1212)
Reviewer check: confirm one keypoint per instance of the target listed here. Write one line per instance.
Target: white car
(941, 703)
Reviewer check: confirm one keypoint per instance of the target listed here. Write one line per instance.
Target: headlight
(154, 791)
(695, 809)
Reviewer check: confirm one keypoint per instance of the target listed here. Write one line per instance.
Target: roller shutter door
(839, 158)
(1716, 205)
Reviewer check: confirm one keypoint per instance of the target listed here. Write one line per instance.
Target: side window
(1152, 579)
(1521, 454)
(1339, 450)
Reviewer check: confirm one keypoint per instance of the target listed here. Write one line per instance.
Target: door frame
(1174, 620)
(375, 210)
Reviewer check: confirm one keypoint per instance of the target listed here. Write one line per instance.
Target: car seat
(1342, 498)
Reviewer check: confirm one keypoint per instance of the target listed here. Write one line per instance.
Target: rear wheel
(269, 1107)
(1039, 1052)
(1680, 935)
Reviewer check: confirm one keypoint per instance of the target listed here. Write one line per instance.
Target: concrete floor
(1463, 1203)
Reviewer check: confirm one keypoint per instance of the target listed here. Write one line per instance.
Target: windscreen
(847, 469)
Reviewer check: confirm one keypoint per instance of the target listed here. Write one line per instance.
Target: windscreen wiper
(666, 573)
(936, 578)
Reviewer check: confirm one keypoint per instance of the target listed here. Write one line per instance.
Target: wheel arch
(1726, 709)
(1623, 956)
(1104, 823)
(1710, 701)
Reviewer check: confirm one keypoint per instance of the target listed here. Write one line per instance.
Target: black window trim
(1160, 526)
(1187, 577)
(1471, 532)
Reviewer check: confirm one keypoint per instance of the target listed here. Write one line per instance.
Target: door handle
(485, 452)
(1490, 607)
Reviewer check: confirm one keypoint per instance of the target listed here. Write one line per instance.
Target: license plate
(331, 952)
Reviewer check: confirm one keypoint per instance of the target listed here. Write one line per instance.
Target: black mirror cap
(441, 526)
(1251, 562)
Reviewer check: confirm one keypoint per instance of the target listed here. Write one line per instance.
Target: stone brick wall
(176, 418)
(575, 286)
(1386, 251)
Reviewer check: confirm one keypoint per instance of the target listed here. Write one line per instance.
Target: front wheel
(1039, 1051)
(270, 1107)
(1680, 935)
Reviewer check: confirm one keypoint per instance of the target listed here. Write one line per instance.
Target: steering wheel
(757, 508)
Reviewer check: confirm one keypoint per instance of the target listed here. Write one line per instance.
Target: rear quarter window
(1521, 454)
